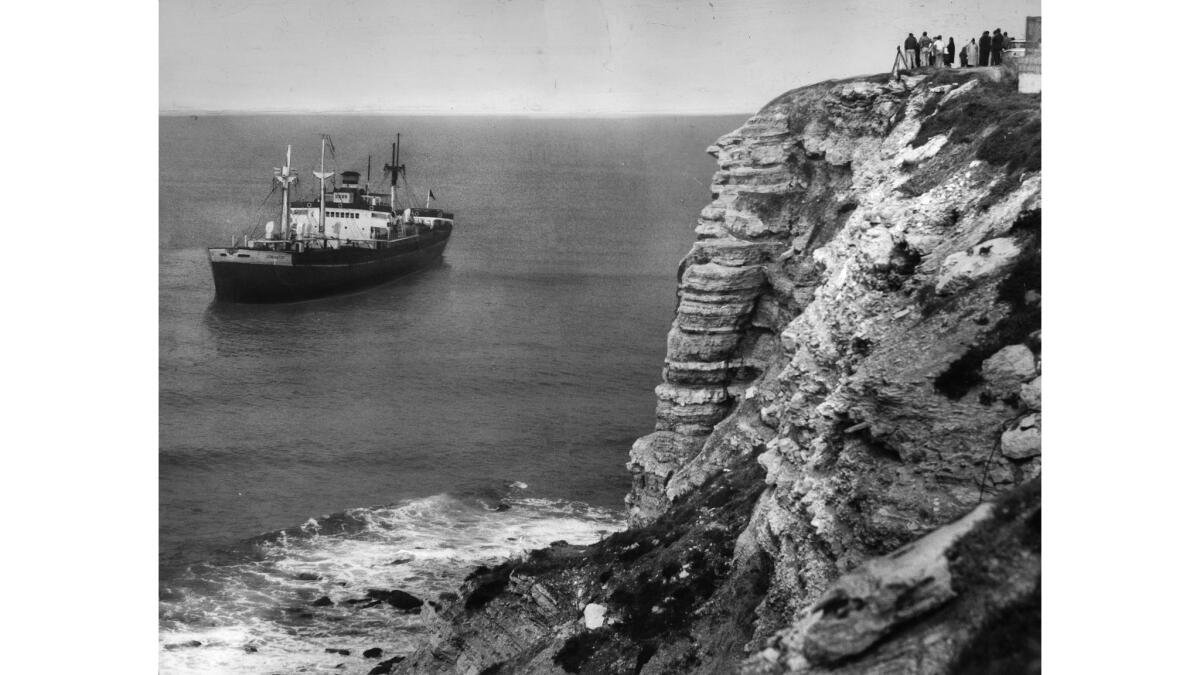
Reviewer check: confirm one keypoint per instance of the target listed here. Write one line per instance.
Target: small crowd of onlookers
(927, 52)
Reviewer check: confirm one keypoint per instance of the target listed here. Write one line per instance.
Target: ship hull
(259, 276)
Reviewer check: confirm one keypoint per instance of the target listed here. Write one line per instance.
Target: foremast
(285, 177)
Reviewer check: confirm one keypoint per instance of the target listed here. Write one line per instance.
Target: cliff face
(850, 402)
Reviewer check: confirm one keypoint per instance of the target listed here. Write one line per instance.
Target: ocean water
(400, 436)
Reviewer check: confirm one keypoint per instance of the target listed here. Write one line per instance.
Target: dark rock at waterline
(402, 560)
(373, 653)
(308, 576)
(503, 507)
(405, 602)
(322, 601)
(385, 667)
(189, 643)
(250, 649)
(447, 596)
(334, 650)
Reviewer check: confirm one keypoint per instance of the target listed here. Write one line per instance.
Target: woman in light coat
(972, 53)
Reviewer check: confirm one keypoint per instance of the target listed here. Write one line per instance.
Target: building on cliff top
(1029, 66)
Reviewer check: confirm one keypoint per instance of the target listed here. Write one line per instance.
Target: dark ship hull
(256, 275)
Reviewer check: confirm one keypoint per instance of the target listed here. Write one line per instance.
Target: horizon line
(180, 112)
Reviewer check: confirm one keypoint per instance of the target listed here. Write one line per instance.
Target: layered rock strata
(850, 406)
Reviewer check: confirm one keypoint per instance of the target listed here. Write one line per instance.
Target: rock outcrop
(843, 476)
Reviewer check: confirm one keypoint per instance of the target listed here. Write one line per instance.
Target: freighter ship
(346, 238)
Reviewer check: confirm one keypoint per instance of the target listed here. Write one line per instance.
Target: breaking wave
(296, 600)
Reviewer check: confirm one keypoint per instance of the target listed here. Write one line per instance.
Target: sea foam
(257, 614)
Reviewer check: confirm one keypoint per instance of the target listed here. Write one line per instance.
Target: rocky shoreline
(844, 472)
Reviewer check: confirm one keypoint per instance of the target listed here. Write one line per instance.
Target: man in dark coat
(950, 53)
(997, 47)
(985, 48)
(910, 51)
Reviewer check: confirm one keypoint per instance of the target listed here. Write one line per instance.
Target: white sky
(537, 56)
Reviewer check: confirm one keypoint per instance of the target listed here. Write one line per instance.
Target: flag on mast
(431, 195)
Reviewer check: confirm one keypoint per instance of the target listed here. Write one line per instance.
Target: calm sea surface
(397, 437)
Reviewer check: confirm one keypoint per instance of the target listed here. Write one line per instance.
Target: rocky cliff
(844, 472)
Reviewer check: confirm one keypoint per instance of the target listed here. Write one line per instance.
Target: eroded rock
(829, 350)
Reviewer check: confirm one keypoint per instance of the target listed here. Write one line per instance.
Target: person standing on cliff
(910, 51)
(985, 48)
(924, 47)
(972, 53)
(935, 52)
(950, 53)
(997, 47)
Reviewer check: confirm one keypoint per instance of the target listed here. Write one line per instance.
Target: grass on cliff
(993, 122)
(1014, 121)
(983, 564)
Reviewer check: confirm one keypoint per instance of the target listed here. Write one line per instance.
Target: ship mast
(395, 169)
(321, 175)
(285, 177)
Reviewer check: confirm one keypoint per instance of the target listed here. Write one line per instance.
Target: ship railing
(328, 242)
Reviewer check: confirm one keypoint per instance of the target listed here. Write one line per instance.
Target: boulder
(1025, 441)
(385, 667)
(911, 156)
(593, 616)
(884, 594)
(988, 259)
(322, 601)
(406, 602)
(1005, 371)
(373, 653)
(334, 650)
(1031, 393)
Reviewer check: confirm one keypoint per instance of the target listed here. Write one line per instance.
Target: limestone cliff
(843, 475)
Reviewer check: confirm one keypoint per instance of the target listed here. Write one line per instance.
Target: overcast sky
(537, 56)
